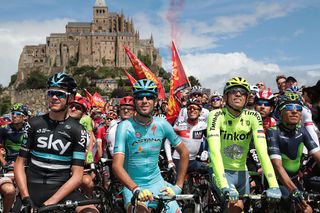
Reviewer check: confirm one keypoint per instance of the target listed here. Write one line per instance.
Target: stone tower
(100, 17)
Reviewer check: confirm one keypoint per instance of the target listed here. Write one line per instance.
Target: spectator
(261, 85)
(281, 83)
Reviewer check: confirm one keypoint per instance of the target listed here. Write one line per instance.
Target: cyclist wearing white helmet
(216, 100)
(253, 92)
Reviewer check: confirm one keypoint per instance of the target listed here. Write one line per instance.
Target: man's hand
(273, 194)
(142, 195)
(230, 193)
(171, 190)
(26, 205)
(297, 196)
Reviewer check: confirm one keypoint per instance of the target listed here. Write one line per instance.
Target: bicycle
(68, 206)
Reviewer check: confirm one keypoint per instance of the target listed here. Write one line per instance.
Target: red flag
(131, 79)
(178, 83)
(88, 95)
(97, 100)
(144, 72)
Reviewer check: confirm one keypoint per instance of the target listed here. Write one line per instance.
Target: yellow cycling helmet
(236, 82)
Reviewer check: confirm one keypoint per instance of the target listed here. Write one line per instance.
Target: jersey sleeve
(27, 140)
(311, 145)
(120, 140)
(79, 147)
(262, 150)
(86, 121)
(99, 134)
(273, 145)
(214, 142)
(111, 137)
(174, 139)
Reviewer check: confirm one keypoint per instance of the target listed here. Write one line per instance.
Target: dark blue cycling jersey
(287, 145)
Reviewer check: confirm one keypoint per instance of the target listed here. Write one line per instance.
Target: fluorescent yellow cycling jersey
(229, 138)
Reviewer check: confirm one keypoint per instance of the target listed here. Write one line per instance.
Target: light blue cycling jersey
(141, 146)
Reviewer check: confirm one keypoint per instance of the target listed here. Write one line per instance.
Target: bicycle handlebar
(67, 205)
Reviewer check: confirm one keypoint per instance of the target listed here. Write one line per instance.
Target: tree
(5, 104)
(118, 93)
(194, 81)
(13, 79)
(36, 80)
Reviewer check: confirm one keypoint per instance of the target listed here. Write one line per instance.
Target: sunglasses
(216, 99)
(193, 108)
(291, 107)
(17, 113)
(259, 85)
(76, 106)
(148, 97)
(263, 102)
(109, 119)
(57, 93)
(126, 108)
(236, 90)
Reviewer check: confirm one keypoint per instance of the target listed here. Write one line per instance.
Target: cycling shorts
(172, 206)
(39, 193)
(238, 180)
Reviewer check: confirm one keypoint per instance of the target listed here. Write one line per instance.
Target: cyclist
(126, 111)
(252, 95)
(11, 137)
(54, 147)
(230, 131)
(137, 148)
(285, 145)
(216, 100)
(192, 131)
(196, 93)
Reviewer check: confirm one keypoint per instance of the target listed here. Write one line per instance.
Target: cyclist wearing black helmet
(54, 145)
(11, 137)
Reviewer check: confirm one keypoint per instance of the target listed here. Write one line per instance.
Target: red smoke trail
(173, 13)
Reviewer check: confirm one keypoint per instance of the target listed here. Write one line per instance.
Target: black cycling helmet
(20, 108)
(289, 98)
(64, 81)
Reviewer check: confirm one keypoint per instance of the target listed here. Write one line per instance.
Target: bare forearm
(284, 178)
(20, 177)
(124, 177)
(183, 166)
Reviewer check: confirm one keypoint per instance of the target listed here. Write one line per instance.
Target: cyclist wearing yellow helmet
(230, 131)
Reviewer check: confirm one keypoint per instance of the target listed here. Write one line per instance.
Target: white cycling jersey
(111, 136)
(183, 116)
(192, 136)
(307, 122)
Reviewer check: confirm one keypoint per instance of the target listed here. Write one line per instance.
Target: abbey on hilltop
(96, 43)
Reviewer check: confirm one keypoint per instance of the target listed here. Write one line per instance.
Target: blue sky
(217, 39)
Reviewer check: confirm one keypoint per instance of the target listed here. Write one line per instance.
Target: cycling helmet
(194, 101)
(293, 89)
(20, 107)
(266, 95)
(162, 116)
(236, 82)
(82, 101)
(196, 89)
(64, 81)
(289, 98)
(145, 86)
(127, 100)
(254, 88)
(216, 94)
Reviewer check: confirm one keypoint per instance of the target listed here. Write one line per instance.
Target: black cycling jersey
(287, 145)
(52, 147)
(12, 140)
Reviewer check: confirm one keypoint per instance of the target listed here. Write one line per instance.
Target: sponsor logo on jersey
(84, 138)
(153, 129)
(49, 143)
(255, 114)
(260, 131)
(64, 133)
(138, 134)
(147, 140)
(197, 134)
(44, 130)
(67, 126)
(234, 136)
(234, 151)
(214, 120)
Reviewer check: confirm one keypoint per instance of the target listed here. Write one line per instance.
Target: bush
(5, 104)
(36, 80)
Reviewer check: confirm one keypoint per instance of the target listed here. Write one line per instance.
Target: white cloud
(214, 69)
(15, 35)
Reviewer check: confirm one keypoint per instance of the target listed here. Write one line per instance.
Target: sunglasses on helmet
(215, 99)
(57, 93)
(263, 102)
(291, 107)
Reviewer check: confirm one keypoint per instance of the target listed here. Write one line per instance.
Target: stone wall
(34, 98)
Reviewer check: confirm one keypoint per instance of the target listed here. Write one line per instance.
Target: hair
(280, 76)
(291, 79)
